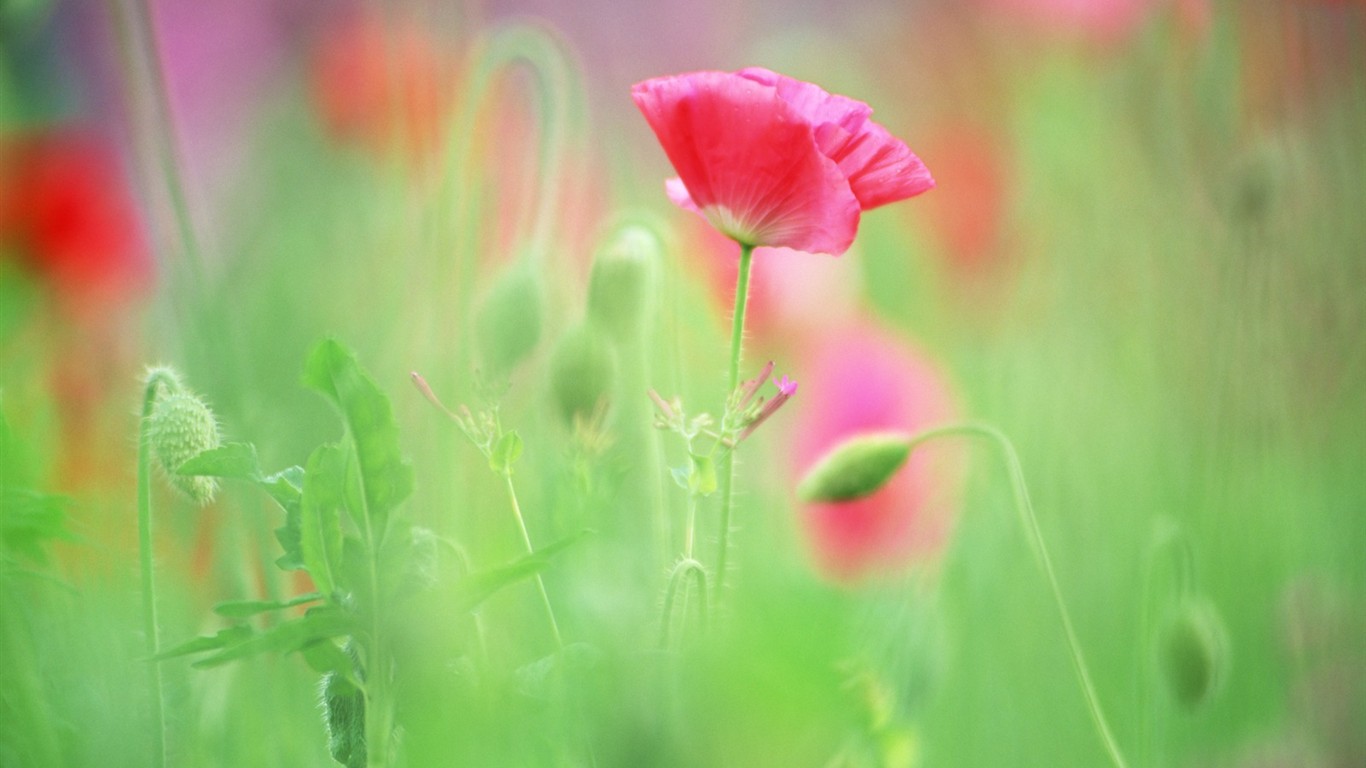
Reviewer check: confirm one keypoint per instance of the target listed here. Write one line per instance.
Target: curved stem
(685, 567)
(526, 539)
(1031, 526)
(155, 382)
(737, 331)
(1168, 545)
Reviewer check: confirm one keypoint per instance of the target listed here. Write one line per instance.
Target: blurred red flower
(773, 161)
(862, 379)
(64, 210)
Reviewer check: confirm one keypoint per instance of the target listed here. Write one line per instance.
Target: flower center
(728, 223)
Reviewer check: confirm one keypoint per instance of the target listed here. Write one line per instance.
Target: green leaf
(320, 533)
(856, 468)
(241, 609)
(318, 624)
(506, 453)
(231, 460)
(386, 479)
(324, 656)
(286, 487)
(222, 639)
(477, 587)
(702, 479)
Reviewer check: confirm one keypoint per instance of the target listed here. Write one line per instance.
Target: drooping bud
(179, 428)
(1194, 653)
(855, 468)
(508, 323)
(582, 369)
(621, 283)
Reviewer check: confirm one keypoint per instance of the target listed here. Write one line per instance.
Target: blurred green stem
(526, 539)
(149, 595)
(1168, 546)
(737, 332)
(1031, 526)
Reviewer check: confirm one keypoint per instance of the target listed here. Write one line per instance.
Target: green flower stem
(526, 539)
(1031, 526)
(149, 595)
(737, 330)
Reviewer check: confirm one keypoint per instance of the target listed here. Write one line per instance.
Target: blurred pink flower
(862, 379)
(773, 161)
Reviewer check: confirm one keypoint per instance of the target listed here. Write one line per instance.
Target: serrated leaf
(285, 486)
(506, 452)
(230, 460)
(317, 624)
(241, 609)
(475, 588)
(222, 639)
(320, 533)
(386, 478)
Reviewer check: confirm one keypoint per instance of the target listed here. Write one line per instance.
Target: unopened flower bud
(508, 324)
(179, 428)
(1193, 653)
(581, 372)
(620, 285)
(344, 714)
(855, 468)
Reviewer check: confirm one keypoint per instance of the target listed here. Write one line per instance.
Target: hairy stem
(737, 331)
(149, 595)
(1031, 526)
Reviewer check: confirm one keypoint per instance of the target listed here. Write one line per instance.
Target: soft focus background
(1145, 262)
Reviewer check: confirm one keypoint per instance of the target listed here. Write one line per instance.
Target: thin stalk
(737, 331)
(526, 539)
(1031, 526)
(686, 567)
(149, 595)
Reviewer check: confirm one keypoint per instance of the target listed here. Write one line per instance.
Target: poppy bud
(1193, 653)
(582, 369)
(179, 428)
(509, 320)
(344, 715)
(620, 283)
(855, 468)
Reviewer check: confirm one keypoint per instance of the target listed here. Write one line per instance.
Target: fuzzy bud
(581, 372)
(179, 428)
(621, 282)
(508, 324)
(344, 714)
(1193, 653)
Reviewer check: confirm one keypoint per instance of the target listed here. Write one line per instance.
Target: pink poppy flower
(773, 161)
(863, 380)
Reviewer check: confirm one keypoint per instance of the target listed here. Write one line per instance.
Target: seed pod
(581, 372)
(855, 468)
(1194, 653)
(620, 284)
(344, 716)
(179, 428)
(508, 324)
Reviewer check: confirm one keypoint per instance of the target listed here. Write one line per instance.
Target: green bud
(582, 369)
(344, 715)
(856, 468)
(508, 323)
(179, 428)
(1193, 653)
(621, 282)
